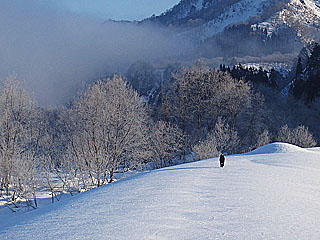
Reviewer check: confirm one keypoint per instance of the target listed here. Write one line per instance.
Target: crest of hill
(277, 147)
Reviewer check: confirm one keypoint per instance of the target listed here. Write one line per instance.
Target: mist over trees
(254, 42)
(70, 49)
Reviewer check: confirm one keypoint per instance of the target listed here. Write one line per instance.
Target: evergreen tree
(313, 69)
(262, 76)
(299, 84)
(273, 78)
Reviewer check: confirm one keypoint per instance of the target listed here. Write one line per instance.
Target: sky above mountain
(115, 9)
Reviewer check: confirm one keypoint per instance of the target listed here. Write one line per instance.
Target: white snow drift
(274, 195)
(277, 148)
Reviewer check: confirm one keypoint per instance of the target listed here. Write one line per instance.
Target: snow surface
(277, 148)
(238, 12)
(274, 195)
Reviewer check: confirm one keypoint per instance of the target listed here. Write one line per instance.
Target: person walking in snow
(222, 160)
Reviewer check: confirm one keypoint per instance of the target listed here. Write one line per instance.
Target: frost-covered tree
(199, 96)
(263, 139)
(20, 137)
(206, 149)
(226, 138)
(299, 136)
(222, 139)
(107, 126)
(166, 141)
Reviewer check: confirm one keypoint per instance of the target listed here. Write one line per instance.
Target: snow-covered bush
(206, 149)
(221, 140)
(299, 136)
(166, 142)
(263, 139)
(226, 138)
(20, 141)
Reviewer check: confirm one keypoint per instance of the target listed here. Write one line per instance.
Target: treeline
(270, 78)
(195, 98)
(250, 102)
(233, 113)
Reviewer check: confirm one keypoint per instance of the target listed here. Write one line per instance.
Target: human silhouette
(222, 160)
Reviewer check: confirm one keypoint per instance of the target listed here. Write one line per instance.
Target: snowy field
(271, 193)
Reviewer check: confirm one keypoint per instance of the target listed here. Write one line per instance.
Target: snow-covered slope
(234, 14)
(303, 16)
(202, 19)
(274, 195)
(277, 148)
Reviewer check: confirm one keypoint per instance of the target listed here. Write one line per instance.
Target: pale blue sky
(116, 9)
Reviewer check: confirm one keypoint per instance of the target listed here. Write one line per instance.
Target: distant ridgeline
(306, 85)
(192, 13)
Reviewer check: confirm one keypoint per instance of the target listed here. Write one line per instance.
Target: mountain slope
(202, 19)
(256, 196)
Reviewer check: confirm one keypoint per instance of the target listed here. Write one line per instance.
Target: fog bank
(56, 51)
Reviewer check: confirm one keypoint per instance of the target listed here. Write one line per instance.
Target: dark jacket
(222, 159)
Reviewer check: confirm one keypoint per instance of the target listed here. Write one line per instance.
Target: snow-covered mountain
(270, 193)
(202, 19)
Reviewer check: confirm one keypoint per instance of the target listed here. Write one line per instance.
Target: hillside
(205, 18)
(264, 27)
(272, 193)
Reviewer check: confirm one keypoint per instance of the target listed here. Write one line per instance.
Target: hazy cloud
(55, 51)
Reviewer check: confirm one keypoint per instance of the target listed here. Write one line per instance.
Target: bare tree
(199, 96)
(107, 129)
(206, 149)
(165, 143)
(227, 138)
(263, 139)
(299, 136)
(222, 139)
(19, 141)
